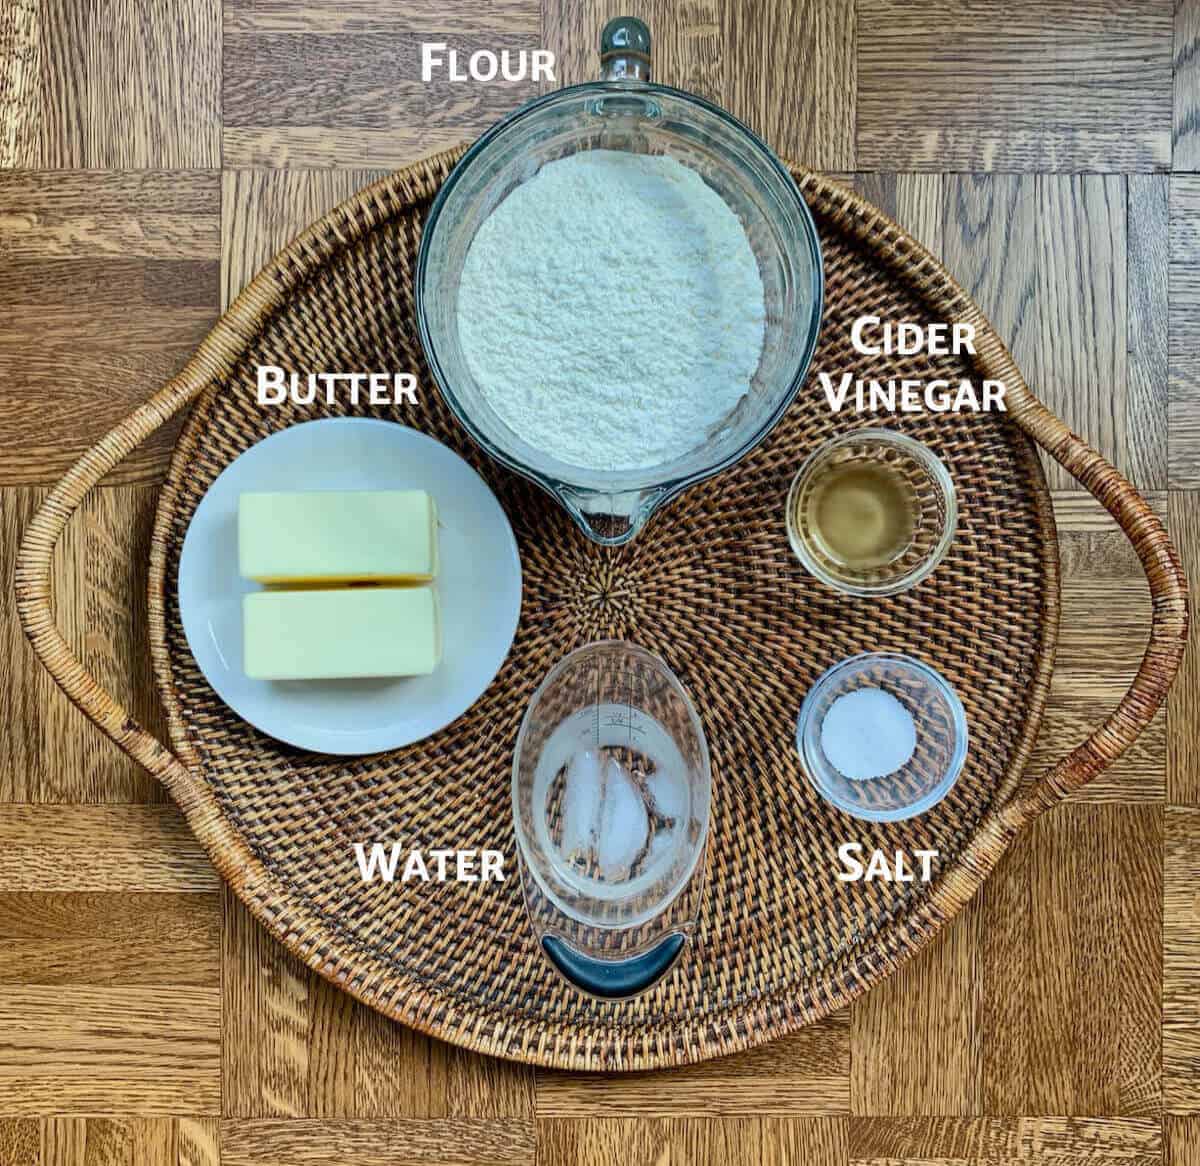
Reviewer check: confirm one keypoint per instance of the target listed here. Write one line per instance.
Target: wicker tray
(711, 585)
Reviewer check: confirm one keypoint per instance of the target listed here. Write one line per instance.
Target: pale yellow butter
(328, 537)
(350, 632)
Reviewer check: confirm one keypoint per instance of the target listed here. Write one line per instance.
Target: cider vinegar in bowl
(871, 513)
(862, 514)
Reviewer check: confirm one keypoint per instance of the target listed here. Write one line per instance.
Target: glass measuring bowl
(624, 111)
(611, 787)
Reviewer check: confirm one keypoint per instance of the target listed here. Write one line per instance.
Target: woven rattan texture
(712, 586)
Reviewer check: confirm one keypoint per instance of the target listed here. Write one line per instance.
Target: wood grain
(199, 1140)
(295, 1046)
(276, 148)
(1033, 85)
(1183, 702)
(331, 1050)
(1184, 412)
(108, 282)
(1185, 138)
(1181, 1136)
(146, 1051)
(1037, 999)
(335, 16)
(730, 1142)
(20, 84)
(922, 1015)
(1147, 340)
(101, 848)
(1181, 960)
(725, 1143)
(1091, 1031)
(1066, 1141)
(264, 1021)
(26, 691)
(82, 1141)
(48, 214)
(811, 41)
(724, 52)
(294, 86)
(631, 1142)
(821, 1142)
(808, 1073)
(131, 940)
(263, 210)
(20, 1141)
(401, 1073)
(124, 86)
(461, 1142)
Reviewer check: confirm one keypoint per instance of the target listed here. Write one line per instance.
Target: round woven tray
(711, 585)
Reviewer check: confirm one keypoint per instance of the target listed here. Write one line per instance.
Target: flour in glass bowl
(611, 310)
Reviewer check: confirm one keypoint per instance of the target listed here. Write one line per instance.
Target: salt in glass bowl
(930, 488)
(941, 737)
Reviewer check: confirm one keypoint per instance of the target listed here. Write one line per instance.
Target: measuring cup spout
(610, 519)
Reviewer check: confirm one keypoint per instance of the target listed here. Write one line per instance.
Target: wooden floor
(156, 152)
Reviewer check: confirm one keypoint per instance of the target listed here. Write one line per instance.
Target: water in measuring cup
(618, 803)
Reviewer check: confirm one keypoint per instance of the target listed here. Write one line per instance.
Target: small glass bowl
(931, 493)
(941, 737)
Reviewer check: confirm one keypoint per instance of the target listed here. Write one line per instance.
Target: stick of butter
(351, 632)
(376, 536)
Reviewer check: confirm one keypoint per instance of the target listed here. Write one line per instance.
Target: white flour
(611, 310)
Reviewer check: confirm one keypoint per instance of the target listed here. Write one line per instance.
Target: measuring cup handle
(625, 50)
(614, 979)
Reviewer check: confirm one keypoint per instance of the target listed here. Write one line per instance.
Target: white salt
(624, 823)
(867, 734)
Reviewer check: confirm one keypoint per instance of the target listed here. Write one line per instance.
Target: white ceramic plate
(479, 586)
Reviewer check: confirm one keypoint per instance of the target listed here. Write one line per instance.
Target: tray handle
(1168, 598)
(33, 586)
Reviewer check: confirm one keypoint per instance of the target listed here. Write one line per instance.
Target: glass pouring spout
(609, 519)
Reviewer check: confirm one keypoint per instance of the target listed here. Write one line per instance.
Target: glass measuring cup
(624, 111)
(611, 788)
